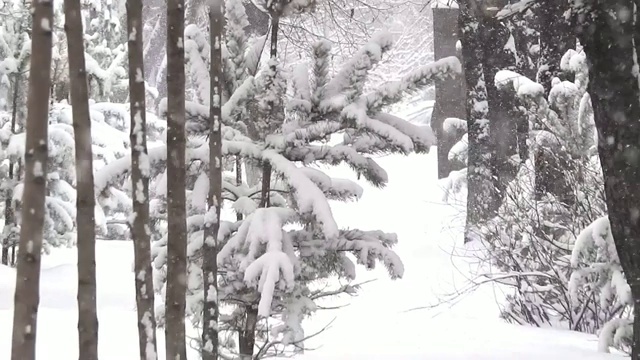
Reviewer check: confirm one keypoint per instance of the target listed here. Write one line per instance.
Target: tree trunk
(247, 336)
(502, 126)
(140, 182)
(608, 40)
(266, 167)
(481, 194)
(450, 94)
(27, 292)
(556, 37)
(85, 199)
(214, 198)
(176, 185)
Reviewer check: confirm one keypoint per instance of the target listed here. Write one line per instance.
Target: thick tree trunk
(27, 292)
(140, 181)
(481, 198)
(214, 198)
(85, 199)
(556, 37)
(176, 185)
(502, 125)
(608, 40)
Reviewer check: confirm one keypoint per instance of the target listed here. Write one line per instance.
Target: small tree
(319, 107)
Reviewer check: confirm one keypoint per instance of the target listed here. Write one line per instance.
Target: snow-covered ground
(376, 324)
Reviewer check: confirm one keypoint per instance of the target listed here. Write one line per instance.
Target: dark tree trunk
(176, 185)
(502, 126)
(556, 37)
(85, 199)
(247, 335)
(214, 199)
(608, 40)
(27, 292)
(481, 197)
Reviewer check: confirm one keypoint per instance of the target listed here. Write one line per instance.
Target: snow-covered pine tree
(319, 107)
(531, 239)
(106, 49)
(15, 48)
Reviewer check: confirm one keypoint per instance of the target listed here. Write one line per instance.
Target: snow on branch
(370, 246)
(334, 189)
(389, 93)
(521, 85)
(352, 74)
(309, 197)
(262, 232)
(421, 136)
(357, 115)
(334, 155)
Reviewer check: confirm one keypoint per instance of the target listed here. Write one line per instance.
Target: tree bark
(247, 336)
(266, 167)
(85, 199)
(214, 199)
(176, 185)
(607, 36)
(556, 37)
(140, 182)
(27, 292)
(450, 94)
(481, 193)
(502, 125)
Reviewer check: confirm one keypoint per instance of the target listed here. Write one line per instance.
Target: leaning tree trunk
(214, 199)
(481, 195)
(140, 182)
(27, 292)
(608, 40)
(85, 199)
(176, 185)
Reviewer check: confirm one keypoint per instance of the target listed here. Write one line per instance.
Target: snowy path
(374, 326)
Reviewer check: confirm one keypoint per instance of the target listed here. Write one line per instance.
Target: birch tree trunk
(140, 182)
(27, 292)
(214, 198)
(176, 173)
(85, 199)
